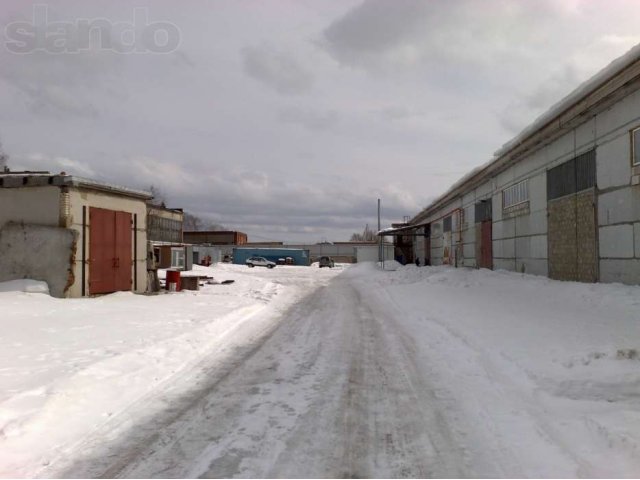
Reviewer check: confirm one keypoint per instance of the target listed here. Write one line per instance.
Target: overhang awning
(406, 230)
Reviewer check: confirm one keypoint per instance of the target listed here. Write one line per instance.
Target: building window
(446, 224)
(635, 146)
(177, 258)
(515, 194)
(482, 211)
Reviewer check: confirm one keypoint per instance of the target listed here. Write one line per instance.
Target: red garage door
(109, 251)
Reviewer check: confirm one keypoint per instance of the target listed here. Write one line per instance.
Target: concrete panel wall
(621, 116)
(619, 206)
(39, 253)
(533, 266)
(32, 205)
(613, 163)
(617, 241)
(623, 271)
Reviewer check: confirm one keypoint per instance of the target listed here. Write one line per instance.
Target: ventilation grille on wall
(573, 176)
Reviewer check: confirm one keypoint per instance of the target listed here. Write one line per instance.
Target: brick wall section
(572, 238)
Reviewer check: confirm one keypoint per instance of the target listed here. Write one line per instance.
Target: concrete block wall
(468, 235)
(618, 200)
(437, 244)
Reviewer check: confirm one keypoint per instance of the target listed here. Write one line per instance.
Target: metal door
(572, 219)
(122, 251)
(101, 248)
(110, 256)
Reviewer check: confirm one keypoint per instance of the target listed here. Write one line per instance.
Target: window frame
(178, 258)
(513, 188)
(633, 132)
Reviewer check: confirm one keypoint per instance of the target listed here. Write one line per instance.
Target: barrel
(173, 280)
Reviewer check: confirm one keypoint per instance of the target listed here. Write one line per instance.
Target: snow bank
(566, 353)
(27, 286)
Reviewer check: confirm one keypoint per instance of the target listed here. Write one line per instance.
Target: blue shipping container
(299, 256)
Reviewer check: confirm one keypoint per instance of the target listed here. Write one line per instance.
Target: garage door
(571, 204)
(110, 256)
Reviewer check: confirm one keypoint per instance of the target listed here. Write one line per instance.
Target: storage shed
(81, 236)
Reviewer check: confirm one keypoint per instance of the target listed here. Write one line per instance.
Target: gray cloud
(398, 112)
(311, 119)
(247, 199)
(526, 107)
(375, 27)
(380, 99)
(278, 70)
(380, 35)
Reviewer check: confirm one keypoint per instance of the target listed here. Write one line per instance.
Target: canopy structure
(406, 230)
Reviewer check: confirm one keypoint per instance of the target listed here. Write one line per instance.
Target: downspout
(84, 250)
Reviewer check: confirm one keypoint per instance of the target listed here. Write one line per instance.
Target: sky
(288, 119)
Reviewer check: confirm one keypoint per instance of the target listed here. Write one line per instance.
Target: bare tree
(159, 198)
(367, 235)
(215, 227)
(191, 223)
(4, 159)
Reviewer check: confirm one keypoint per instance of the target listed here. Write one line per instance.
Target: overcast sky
(287, 119)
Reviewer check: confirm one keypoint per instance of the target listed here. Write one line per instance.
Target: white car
(259, 262)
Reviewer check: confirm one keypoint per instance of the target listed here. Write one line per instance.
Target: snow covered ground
(72, 367)
(307, 372)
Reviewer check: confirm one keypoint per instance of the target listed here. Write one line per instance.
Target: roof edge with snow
(618, 79)
(38, 179)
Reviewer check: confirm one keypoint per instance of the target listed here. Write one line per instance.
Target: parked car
(259, 262)
(326, 262)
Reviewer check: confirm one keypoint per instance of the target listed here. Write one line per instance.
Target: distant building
(164, 232)
(215, 238)
(164, 224)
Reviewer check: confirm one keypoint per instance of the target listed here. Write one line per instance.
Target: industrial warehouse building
(81, 236)
(561, 199)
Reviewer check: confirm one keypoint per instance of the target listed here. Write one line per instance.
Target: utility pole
(380, 251)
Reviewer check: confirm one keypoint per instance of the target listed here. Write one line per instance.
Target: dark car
(326, 262)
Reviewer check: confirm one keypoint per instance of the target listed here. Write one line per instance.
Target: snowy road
(393, 374)
(333, 391)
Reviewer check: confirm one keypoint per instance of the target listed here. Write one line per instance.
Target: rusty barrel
(173, 280)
